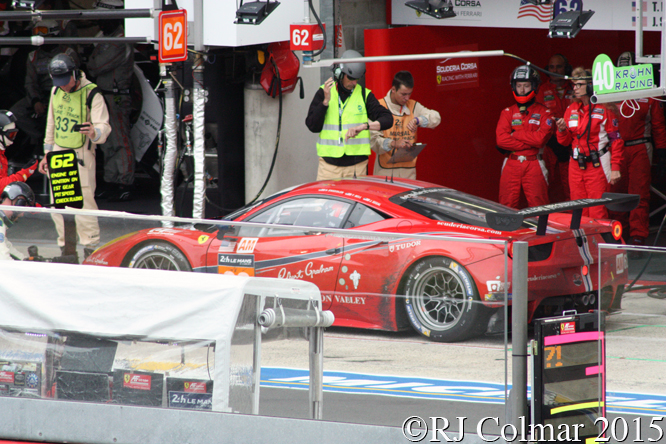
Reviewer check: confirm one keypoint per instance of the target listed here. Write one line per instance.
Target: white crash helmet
(8, 130)
(46, 28)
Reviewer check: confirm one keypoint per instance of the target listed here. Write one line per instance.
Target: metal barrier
(376, 380)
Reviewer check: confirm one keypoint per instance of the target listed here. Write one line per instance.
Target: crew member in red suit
(8, 132)
(522, 131)
(597, 149)
(641, 123)
(556, 93)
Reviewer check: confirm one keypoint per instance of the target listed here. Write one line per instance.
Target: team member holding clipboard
(396, 147)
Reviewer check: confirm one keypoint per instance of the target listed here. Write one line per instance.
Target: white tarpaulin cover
(114, 302)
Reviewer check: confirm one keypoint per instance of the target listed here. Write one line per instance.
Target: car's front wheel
(159, 256)
(442, 302)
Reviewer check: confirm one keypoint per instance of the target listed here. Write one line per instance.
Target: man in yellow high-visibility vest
(343, 113)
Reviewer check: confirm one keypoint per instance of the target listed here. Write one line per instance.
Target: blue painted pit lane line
(441, 389)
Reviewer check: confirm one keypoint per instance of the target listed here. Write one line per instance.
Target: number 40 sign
(607, 78)
(173, 36)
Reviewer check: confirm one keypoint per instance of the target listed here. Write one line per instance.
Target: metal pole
(92, 14)
(199, 116)
(401, 58)
(171, 152)
(38, 40)
(519, 334)
(316, 394)
(198, 124)
(256, 359)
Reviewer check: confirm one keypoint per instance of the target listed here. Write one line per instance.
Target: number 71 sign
(173, 36)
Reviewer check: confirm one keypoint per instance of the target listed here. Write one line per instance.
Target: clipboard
(406, 155)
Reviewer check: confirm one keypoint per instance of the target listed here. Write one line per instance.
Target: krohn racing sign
(459, 73)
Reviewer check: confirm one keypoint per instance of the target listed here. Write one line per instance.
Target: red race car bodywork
(445, 290)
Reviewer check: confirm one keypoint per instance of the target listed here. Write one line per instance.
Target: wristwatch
(367, 126)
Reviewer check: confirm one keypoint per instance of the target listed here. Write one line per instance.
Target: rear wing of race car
(513, 221)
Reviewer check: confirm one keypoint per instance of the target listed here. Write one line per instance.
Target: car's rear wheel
(159, 256)
(442, 302)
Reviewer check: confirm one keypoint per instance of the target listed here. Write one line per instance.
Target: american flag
(543, 13)
(633, 19)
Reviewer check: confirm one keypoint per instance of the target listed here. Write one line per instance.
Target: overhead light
(27, 4)
(568, 24)
(439, 9)
(254, 13)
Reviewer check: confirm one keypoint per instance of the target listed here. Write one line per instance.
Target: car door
(287, 250)
(364, 294)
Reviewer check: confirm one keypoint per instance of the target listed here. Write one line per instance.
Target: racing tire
(442, 302)
(159, 256)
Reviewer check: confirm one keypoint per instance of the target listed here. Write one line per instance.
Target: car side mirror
(224, 230)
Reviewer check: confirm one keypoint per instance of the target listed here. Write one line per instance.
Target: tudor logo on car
(247, 244)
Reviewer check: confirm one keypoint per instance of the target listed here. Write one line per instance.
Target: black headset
(337, 72)
(589, 89)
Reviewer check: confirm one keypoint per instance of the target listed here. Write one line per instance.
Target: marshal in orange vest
(396, 132)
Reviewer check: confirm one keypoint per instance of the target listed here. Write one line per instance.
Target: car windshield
(451, 205)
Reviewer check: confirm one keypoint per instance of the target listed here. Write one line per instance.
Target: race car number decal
(247, 244)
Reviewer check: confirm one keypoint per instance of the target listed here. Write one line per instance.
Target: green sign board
(607, 78)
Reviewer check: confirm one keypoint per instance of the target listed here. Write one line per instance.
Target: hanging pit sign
(306, 37)
(607, 78)
(172, 36)
(64, 178)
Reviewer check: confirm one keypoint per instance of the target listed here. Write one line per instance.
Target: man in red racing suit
(522, 131)
(593, 132)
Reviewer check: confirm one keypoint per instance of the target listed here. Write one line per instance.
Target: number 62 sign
(173, 36)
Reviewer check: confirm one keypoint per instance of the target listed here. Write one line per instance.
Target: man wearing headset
(642, 124)
(74, 100)
(16, 194)
(343, 113)
(522, 131)
(594, 134)
(556, 93)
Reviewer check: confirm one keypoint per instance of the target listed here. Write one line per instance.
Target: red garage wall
(461, 151)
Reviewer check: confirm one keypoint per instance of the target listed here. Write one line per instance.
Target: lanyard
(341, 109)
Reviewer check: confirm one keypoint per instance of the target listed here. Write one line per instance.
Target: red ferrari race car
(446, 291)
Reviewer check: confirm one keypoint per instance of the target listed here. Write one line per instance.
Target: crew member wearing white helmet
(31, 110)
(343, 113)
(112, 66)
(74, 101)
(8, 132)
